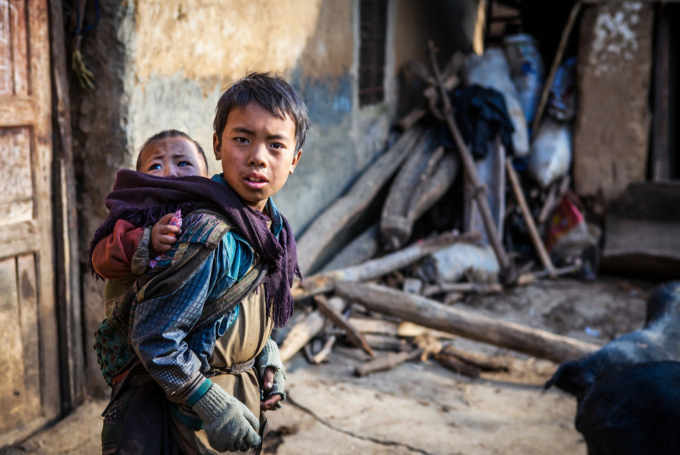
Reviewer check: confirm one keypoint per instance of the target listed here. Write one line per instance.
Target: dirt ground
(422, 407)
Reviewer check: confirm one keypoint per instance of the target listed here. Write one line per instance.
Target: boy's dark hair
(170, 134)
(270, 92)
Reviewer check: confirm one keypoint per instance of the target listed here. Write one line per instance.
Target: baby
(170, 153)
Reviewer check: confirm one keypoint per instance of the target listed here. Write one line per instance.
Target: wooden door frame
(35, 236)
(51, 234)
(67, 280)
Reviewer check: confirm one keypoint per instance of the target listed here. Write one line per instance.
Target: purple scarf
(143, 199)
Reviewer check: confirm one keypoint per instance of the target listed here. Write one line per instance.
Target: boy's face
(172, 157)
(257, 150)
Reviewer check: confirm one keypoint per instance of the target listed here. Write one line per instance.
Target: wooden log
(302, 332)
(430, 313)
(375, 326)
(433, 188)
(359, 250)
(415, 190)
(376, 268)
(386, 362)
(339, 320)
(529, 220)
(477, 288)
(456, 365)
(412, 118)
(321, 233)
(483, 362)
(471, 172)
(325, 351)
(386, 343)
(395, 228)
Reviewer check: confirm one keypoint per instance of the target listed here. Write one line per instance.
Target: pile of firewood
(374, 293)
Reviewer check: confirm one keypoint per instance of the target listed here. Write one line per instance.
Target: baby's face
(172, 157)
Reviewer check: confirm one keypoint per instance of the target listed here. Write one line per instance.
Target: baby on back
(127, 250)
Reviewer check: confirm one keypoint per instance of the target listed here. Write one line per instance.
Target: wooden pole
(386, 362)
(555, 65)
(529, 220)
(429, 313)
(469, 166)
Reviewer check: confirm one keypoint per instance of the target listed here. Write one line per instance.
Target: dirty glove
(229, 423)
(270, 358)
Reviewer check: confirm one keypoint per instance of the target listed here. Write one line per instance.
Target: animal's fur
(635, 412)
(658, 340)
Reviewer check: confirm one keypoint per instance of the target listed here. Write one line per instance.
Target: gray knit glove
(270, 358)
(229, 423)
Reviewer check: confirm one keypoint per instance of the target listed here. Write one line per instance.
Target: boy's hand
(272, 401)
(163, 235)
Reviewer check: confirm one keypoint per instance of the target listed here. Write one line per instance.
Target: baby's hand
(163, 235)
(268, 384)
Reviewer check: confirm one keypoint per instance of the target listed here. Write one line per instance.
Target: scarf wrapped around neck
(143, 199)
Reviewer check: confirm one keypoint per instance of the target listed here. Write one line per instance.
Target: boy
(201, 319)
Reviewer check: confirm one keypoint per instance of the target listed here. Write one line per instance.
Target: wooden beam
(661, 129)
(429, 313)
(19, 238)
(17, 111)
(325, 228)
(339, 320)
(386, 362)
(529, 220)
(376, 268)
(66, 222)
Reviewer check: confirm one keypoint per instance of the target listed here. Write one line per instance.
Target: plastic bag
(491, 70)
(526, 69)
(451, 264)
(568, 232)
(562, 101)
(551, 152)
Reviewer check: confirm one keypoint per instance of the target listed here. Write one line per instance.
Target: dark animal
(635, 412)
(658, 340)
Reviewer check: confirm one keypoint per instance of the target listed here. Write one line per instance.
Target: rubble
(393, 288)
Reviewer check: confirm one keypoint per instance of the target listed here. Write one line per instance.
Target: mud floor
(422, 407)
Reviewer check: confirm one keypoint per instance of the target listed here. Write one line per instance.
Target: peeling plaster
(615, 38)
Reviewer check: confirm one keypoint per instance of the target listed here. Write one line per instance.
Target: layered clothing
(201, 315)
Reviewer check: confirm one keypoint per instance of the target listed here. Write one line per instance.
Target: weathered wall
(163, 64)
(612, 126)
(100, 147)
(183, 58)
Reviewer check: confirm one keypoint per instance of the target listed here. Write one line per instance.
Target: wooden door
(29, 363)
